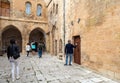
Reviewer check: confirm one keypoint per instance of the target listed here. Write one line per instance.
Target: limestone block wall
(25, 29)
(18, 11)
(23, 22)
(55, 22)
(99, 31)
(101, 38)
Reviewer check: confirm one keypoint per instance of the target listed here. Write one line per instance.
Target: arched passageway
(37, 35)
(11, 32)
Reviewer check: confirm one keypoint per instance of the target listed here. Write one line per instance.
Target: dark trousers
(40, 53)
(28, 53)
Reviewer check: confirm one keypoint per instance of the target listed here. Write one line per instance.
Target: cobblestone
(49, 69)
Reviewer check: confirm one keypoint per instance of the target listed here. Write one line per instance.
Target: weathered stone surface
(97, 24)
(51, 70)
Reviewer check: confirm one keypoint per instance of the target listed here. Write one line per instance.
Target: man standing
(40, 49)
(69, 52)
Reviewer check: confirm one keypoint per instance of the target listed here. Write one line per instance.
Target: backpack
(33, 46)
(15, 51)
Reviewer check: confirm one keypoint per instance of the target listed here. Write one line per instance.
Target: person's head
(27, 43)
(12, 41)
(69, 41)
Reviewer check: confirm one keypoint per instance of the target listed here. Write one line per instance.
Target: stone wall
(23, 22)
(55, 24)
(99, 31)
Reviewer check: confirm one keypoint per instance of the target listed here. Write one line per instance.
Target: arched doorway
(37, 35)
(11, 32)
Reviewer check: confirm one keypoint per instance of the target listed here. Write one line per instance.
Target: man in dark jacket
(69, 52)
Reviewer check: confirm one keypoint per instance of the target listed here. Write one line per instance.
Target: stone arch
(11, 32)
(38, 35)
(41, 27)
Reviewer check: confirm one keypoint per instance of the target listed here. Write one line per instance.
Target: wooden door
(77, 50)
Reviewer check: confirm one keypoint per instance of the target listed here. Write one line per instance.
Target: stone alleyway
(49, 69)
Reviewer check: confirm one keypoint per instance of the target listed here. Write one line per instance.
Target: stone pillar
(0, 43)
(25, 40)
(48, 42)
(51, 43)
(23, 46)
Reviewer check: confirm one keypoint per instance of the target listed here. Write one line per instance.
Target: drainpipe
(64, 18)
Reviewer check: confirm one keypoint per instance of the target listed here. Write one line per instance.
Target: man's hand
(75, 44)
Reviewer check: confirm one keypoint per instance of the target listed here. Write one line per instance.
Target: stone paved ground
(49, 69)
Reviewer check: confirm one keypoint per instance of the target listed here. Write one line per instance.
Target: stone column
(48, 42)
(51, 43)
(23, 46)
(25, 38)
(0, 38)
(0, 43)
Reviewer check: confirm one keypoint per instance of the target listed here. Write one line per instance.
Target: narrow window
(39, 10)
(28, 8)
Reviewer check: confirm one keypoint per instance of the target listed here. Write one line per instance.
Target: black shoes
(66, 64)
(70, 64)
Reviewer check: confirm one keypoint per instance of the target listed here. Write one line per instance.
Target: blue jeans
(40, 53)
(70, 58)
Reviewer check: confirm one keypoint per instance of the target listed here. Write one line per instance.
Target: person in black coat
(13, 48)
(69, 48)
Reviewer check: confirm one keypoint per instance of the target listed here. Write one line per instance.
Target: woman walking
(28, 48)
(12, 52)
